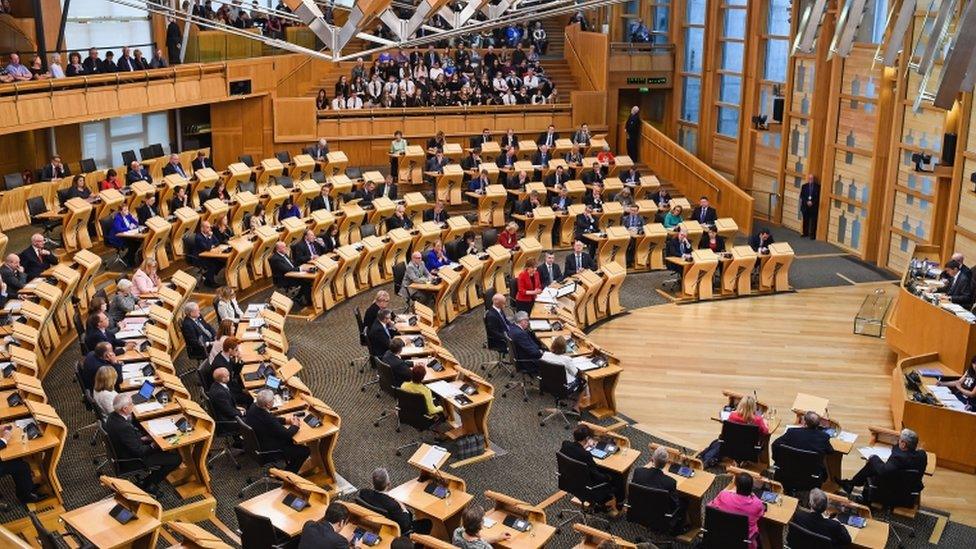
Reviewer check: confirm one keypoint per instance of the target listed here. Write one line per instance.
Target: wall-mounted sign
(647, 80)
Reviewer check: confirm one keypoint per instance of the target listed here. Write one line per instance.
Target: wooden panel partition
(587, 54)
(294, 119)
(694, 178)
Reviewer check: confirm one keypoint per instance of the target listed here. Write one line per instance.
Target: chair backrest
(724, 530)
(63, 196)
(399, 270)
(489, 237)
(452, 249)
(203, 195)
(157, 149)
(80, 328)
(652, 508)
(249, 440)
(248, 186)
(256, 531)
(798, 469)
(354, 173)
(13, 180)
(87, 165)
(128, 157)
(204, 374)
(412, 409)
(106, 224)
(247, 160)
(367, 229)
(348, 197)
(489, 293)
(574, 478)
(190, 247)
(553, 379)
(36, 205)
(111, 452)
(47, 539)
(363, 503)
(361, 325)
(799, 537)
(739, 441)
(283, 157)
(385, 372)
(898, 488)
(146, 153)
(81, 385)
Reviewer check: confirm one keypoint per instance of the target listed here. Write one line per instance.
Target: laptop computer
(145, 393)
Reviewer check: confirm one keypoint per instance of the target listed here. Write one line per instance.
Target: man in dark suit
(388, 189)
(401, 368)
(92, 63)
(810, 438)
(101, 355)
(382, 301)
(542, 157)
(578, 450)
(54, 170)
(431, 57)
(578, 260)
(148, 210)
(958, 286)
(307, 249)
(201, 161)
(528, 205)
(196, 332)
(399, 219)
(36, 258)
(13, 274)
(497, 324)
(507, 160)
(760, 241)
(223, 403)
(323, 201)
(586, 223)
(281, 265)
(392, 509)
(816, 522)
(324, 534)
(137, 172)
(549, 271)
(703, 213)
(319, 150)
(129, 442)
(272, 433)
(174, 42)
(561, 201)
(18, 469)
(594, 198)
(437, 162)
(126, 63)
(437, 214)
(174, 166)
(594, 176)
(679, 246)
(204, 242)
(810, 205)
(904, 457)
(473, 161)
(480, 140)
(653, 476)
(96, 332)
(381, 333)
(528, 350)
(548, 137)
(366, 194)
(633, 127)
(229, 358)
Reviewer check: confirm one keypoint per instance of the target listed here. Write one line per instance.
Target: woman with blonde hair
(224, 330)
(746, 413)
(104, 391)
(509, 237)
(227, 306)
(146, 278)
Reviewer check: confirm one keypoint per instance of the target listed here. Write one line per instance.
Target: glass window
(695, 13)
(100, 24)
(730, 89)
(660, 16)
(728, 121)
(688, 139)
(777, 59)
(735, 24)
(690, 98)
(105, 140)
(694, 45)
(732, 55)
(779, 17)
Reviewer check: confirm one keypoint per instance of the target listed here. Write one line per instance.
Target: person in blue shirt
(124, 221)
(436, 257)
(288, 209)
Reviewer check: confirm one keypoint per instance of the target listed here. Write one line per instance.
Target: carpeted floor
(325, 348)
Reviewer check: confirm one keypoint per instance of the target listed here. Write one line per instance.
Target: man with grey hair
(906, 456)
(196, 332)
(809, 438)
(392, 509)
(817, 522)
(497, 324)
(131, 443)
(276, 433)
(652, 476)
(528, 348)
(416, 271)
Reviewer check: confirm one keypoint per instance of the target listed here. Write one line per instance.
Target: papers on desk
(140, 311)
(547, 296)
(254, 310)
(583, 363)
(146, 407)
(255, 323)
(23, 423)
(252, 335)
(161, 427)
(487, 522)
(845, 436)
(540, 325)
(959, 311)
(408, 349)
(433, 457)
(128, 334)
(946, 397)
(883, 452)
(444, 389)
(929, 372)
(136, 323)
(13, 306)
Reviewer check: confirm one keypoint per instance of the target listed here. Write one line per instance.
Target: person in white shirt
(531, 80)
(436, 71)
(538, 98)
(54, 67)
(375, 88)
(354, 102)
(408, 86)
(557, 355)
(391, 87)
(339, 103)
(509, 98)
(103, 393)
(499, 84)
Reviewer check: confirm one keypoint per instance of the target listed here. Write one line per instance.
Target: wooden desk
(620, 462)
(649, 248)
(696, 281)
(497, 266)
(539, 532)
(194, 537)
(774, 276)
(491, 206)
(284, 518)
(737, 271)
(193, 477)
(773, 523)
(592, 538)
(93, 523)
(361, 518)
(321, 441)
(471, 418)
(411, 165)
(445, 514)
(611, 246)
(539, 225)
(691, 489)
(448, 184)
(42, 453)
(874, 535)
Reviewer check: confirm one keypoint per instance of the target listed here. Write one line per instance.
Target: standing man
(174, 42)
(810, 205)
(633, 128)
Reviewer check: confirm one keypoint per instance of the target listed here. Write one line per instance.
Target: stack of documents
(583, 363)
(946, 397)
(161, 427)
(883, 452)
(133, 370)
(433, 457)
(254, 310)
(540, 325)
(149, 406)
(444, 389)
(548, 296)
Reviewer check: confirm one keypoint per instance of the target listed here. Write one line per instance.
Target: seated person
(905, 456)
(760, 241)
(123, 302)
(392, 509)
(146, 278)
(323, 201)
(817, 522)
(137, 172)
(586, 223)
(36, 258)
(101, 355)
(557, 355)
(19, 471)
(148, 210)
(381, 333)
(579, 449)
(480, 183)
(958, 286)
(561, 201)
(201, 161)
(111, 181)
(549, 271)
(712, 241)
(416, 385)
(399, 219)
(121, 223)
(963, 387)
(131, 443)
(401, 368)
(230, 359)
(703, 213)
(12, 274)
(810, 437)
(281, 265)
(436, 257)
(197, 333)
(633, 221)
(558, 177)
(594, 198)
(78, 189)
(288, 209)
(468, 244)
(272, 433)
(174, 167)
(679, 246)
(205, 241)
(104, 391)
(468, 534)
(578, 260)
(742, 502)
(530, 203)
(594, 177)
(653, 476)
(508, 238)
(223, 401)
(528, 349)
(673, 218)
(97, 331)
(308, 248)
(219, 191)
(438, 214)
(366, 194)
(179, 200)
(222, 229)
(416, 272)
(745, 413)
(317, 534)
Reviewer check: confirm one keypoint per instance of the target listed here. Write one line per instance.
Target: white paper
(540, 325)
(584, 363)
(408, 349)
(255, 322)
(487, 522)
(433, 457)
(22, 423)
(443, 389)
(13, 306)
(161, 427)
(847, 437)
(566, 290)
(883, 452)
(128, 334)
(252, 336)
(724, 415)
(547, 297)
(150, 406)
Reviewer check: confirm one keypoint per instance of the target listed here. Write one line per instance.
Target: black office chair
(399, 271)
(348, 197)
(798, 470)
(574, 478)
(247, 186)
(35, 207)
(411, 410)
(798, 537)
(55, 540)
(107, 223)
(204, 196)
(157, 149)
(724, 530)
(519, 371)
(283, 157)
(145, 153)
(63, 196)
(128, 157)
(899, 489)
(228, 432)
(13, 180)
(354, 173)
(489, 237)
(552, 382)
(367, 229)
(128, 468)
(246, 159)
(190, 249)
(453, 250)
(266, 459)
(87, 165)
(652, 508)
(257, 532)
(739, 442)
(89, 402)
(203, 371)
(387, 384)
(80, 328)
(363, 503)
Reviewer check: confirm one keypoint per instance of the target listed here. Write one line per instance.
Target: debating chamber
(398, 274)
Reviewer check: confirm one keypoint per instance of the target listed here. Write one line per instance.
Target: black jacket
(269, 430)
(431, 215)
(320, 535)
(222, 402)
(809, 192)
(301, 253)
(496, 330)
(754, 242)
(90, 367)
(318, 203)
(586, 262)
(280, 265)
(196, 335)
(34, 265)
(146, 212)
(379, 339)
(708, 218)
(94, 337)
(49, 172)
(201, 163)
(652, 477)
(391, 508)
(126, 438)
(573, 450)
(133, 176)
(544, 139)
(204, 243)
(584, 225)
(170, 169)
(802, 438)
(818, 524)
(177, 203)
(960, 292)
(546, 277)
(676, 248)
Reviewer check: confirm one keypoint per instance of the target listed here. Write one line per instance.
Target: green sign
(647, 80)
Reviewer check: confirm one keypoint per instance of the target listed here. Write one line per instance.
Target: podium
(75, 231)
(382, 209)
(575, 189)
(341, 184)
(244, 204)
(649, 184)
(586, 310)
(156, 239)
(237, 274)
(335, 163)
(562, 147)
(323, 297)
(214, 209)
(727, 228)
(528, 248)
(301, 167)
(612, 186)
(345, 278)
(453, 151)
(93, 523)
(194, 477)
(414, 205)
(612, 248)
(444, 300)
(168, 189)
(238, 172)
(319, 469)
(264, 241)
(400, 241)
(411, 165)
(489, 151)
(685, 206)
(496, 267)
(267, 173)
(467, 291)
(320, 220)
(427, 233)
(294, 230)
(540, 226)
(202, 181)
(448, 184)
(276, 195)
(457, 225)
(369, 274)
(610, 215)
(775, 273)
(304, 190)
(140, 190)
(350, 223)
(697, 279)
(608, 298)
(110, 201)
(282, 517)
(491, 206)
(649, 249)
(694, 230)
(737, 272)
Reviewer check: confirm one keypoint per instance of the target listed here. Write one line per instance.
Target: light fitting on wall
(845, 31)
(895, 30)
(960, 64)
(759, 122)
(809, 27)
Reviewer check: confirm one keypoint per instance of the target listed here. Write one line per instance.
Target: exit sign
(647, 80)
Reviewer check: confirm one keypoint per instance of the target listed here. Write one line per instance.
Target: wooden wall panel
(724, 154)
(295, 118)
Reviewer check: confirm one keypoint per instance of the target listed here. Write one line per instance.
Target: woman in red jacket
(509, 237)
(529, 285)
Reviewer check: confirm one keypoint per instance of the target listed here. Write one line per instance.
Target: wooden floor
(678, 358)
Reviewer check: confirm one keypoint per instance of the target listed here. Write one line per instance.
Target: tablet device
(769, 497)
(598, 453)
(121, 514)
(312, 421)
(8, 369)
(14, 399)
(435, 365)
(418, 341)
(295, 502)
(370, 539)
(463, 400)
(272, 382)
(148, 370)
(469, 389)
(437, 490)
(183, 425)
(852, 520)
(145, 393)
(164, 397)
(517, 523)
